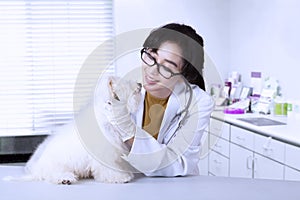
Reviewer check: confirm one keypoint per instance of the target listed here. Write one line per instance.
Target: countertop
(183, 188)
(288, 133)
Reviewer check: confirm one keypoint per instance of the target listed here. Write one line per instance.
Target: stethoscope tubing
(185, 111)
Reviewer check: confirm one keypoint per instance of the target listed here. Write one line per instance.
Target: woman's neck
(160, 94)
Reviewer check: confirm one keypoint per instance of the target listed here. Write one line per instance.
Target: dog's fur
(62, 158)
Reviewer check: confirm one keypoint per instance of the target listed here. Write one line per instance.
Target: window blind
(43, 47)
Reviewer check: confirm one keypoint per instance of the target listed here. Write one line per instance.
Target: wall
(209, 17)
(264, 36)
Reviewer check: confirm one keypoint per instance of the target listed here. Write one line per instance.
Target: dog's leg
(113, 177)
(105, 174)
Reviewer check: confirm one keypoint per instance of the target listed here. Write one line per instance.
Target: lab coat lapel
(176, 103)
(140, 111)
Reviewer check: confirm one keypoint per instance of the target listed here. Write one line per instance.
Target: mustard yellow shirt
(154, 109)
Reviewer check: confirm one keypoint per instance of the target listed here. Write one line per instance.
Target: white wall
(264, 36)
(243, 36)
(210, 18)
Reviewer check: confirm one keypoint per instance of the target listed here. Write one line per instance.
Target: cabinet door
(241, 162)
(291, 174)
(292, 156)
(266, 168)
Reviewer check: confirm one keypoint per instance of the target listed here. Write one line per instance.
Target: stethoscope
(183, 112)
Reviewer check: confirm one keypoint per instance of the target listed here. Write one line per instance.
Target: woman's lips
(150, 81)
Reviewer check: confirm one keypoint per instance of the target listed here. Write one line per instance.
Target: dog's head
(126, 91)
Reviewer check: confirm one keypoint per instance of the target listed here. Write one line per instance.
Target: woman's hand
(119, 116)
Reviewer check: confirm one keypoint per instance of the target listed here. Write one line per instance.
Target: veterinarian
(164, 135)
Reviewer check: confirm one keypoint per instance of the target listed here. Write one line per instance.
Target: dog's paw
(66, 182)
(65, 179)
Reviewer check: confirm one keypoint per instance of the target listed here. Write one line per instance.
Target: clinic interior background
(242, 36)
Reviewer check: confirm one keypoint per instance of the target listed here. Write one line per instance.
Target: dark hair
(191, 45)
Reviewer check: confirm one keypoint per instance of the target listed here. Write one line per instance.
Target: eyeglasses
(151, 61)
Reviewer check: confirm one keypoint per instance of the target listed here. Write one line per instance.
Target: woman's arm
(181, 155)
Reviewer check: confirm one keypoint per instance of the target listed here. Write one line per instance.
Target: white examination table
(145, 188)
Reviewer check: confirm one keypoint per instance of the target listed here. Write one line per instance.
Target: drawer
(242, 137)
(219, 145)
(219, 128)
(269, 147)
(292, 156)
(218, 164)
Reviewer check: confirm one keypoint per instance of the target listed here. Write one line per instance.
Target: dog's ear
(111, 85)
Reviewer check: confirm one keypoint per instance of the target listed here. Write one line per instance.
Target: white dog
(62, 158)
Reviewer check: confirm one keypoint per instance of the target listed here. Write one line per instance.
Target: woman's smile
(149, 80)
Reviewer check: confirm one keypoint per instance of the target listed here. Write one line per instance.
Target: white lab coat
(174, 153)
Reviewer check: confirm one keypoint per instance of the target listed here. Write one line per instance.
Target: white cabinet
(219, 148)
(291, 174)
(242, 137)
(247, 164)
(266, 168)
(241, 162)
(203, 163)
(269, 158)
(256, 156)
(292, 155)
(218, 164)
(269, 148)
(241, 154)
(219, 128)
(238, 152)
(292, 162)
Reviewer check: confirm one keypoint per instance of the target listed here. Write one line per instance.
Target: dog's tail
(21, 178)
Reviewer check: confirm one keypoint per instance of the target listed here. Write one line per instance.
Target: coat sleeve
(181, 155)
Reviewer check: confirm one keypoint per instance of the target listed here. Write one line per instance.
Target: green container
(280, 108)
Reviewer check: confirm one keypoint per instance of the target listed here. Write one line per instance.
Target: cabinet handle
(267, 145)
(249, 162)
(217, 162)
(268, 150)
(240, 138)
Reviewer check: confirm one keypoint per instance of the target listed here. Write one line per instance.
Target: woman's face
(168, 55)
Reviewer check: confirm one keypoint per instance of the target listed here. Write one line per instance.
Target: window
(43, 46)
